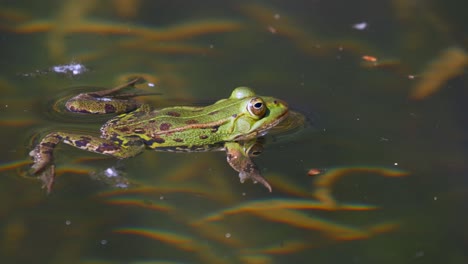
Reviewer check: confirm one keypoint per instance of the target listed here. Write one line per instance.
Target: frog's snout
(279, 102)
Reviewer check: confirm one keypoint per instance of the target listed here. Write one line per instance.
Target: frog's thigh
(97, 144)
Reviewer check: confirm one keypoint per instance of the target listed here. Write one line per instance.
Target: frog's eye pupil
(257, 107)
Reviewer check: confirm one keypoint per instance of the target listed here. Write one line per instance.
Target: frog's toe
(41, 161)
(48, 178)
(263, 182)
(43, 167)
(38, 167)
(33, 153)
(243, 176)
(255, 178)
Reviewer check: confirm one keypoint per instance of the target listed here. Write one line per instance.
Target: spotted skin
(224, 125)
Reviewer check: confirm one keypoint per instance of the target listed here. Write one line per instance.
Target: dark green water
(307, 53)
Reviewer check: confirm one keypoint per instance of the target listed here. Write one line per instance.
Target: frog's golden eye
(257, 107)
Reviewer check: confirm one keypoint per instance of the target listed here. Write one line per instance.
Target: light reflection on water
(191, 208)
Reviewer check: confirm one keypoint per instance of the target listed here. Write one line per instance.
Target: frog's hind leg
(42, 154)
(105, 101)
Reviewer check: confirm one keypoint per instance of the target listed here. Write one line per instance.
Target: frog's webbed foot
(255, 177)
(42, 158)
(241, 162)
(43, 166)
(48, 178)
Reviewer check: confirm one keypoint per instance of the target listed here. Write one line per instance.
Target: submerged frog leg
(105, 101)
(42, 154)
(241, 162)
(115, 89)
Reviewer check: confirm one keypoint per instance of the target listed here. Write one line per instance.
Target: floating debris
(72, 69)
(112, 176)
(360, 26)
(314, 171)
(369, 58)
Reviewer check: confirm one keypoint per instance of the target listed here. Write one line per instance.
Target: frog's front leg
(42, 154)
(241, 162)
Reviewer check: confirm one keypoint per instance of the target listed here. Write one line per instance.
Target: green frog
(230, 125)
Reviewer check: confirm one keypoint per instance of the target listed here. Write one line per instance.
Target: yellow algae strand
(449, 64)
(178, 241)
(177, 32)
(139, 203)
(127, 8)
(161, 189)
(256, 259)
(283, 184)
(276, 204)
(166, 48)
(325, 181)
(17, 122)
(34, 27)
(73, 170)
(71, 12)
(332, 175)
(286, 247)
(383, 227)
(301, 220)
(191, 29)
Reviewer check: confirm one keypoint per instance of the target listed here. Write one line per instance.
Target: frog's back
(178, 126)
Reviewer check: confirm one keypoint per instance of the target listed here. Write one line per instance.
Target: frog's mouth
(264, 130)
(265, 127)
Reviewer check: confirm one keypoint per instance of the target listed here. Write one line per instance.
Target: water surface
(382, 86)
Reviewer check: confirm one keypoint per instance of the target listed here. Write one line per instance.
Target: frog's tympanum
(230, 124)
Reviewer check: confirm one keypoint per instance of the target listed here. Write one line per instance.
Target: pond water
(376, 174)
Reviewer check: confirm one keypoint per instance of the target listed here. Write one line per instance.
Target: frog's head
(257, 114)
